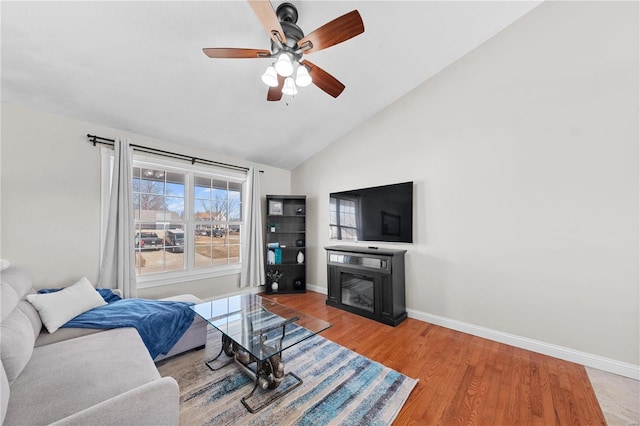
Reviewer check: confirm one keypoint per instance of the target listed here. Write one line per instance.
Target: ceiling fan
(289, 44)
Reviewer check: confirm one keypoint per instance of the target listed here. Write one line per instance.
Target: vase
(274, 286)
(300, 257)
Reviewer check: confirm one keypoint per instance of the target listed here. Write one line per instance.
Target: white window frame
(190, 273)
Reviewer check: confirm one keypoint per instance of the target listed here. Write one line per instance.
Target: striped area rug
(340, 388)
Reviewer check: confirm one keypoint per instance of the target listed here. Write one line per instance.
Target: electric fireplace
(367, 282)
(357, 291)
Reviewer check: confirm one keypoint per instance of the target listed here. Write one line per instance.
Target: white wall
(50, 195)
(524, 155)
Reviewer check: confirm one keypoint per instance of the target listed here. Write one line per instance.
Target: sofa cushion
(33, 316)
(57, 308)
(61, 334)
(4, 393)
(16, 345)
(66, 377)
(19, 280)
(8, 300)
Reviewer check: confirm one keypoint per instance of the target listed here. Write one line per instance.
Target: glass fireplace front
(357, 291)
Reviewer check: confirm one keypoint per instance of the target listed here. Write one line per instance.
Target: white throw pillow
(57, 308)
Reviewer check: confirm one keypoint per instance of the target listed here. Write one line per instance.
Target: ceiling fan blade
(275, 93)
(269, 20)
(324, 80)
(230, 52)
(340, 29)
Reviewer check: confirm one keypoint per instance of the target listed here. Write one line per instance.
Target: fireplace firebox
(368, 282)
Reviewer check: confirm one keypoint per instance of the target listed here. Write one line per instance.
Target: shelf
(286, 232)
(285, 264)
(290, 228)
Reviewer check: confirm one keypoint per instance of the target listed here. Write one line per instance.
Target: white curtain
(118, 267)
(252, 274)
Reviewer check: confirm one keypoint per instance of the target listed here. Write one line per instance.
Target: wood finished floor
(463, 379)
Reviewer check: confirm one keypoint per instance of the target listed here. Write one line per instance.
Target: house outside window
(188, 219)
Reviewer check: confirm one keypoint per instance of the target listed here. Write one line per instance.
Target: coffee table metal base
(268, 375)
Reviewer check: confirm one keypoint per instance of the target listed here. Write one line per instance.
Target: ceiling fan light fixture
(270, 77)
(289, 87)
(283, 65)
(303, 78)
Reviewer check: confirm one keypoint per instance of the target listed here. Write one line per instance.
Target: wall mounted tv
(381, 213)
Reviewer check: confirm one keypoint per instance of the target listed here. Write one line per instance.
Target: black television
(380, 213)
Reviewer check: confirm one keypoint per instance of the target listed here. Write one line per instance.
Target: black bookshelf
(285, 240)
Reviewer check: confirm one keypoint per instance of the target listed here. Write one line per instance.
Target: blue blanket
(159, 323)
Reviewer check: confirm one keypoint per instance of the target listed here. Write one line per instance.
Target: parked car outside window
(148, 241)
(174, 240)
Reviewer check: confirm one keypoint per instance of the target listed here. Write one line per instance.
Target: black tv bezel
(386, 187)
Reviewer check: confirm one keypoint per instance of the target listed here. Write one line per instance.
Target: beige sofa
(99, 378)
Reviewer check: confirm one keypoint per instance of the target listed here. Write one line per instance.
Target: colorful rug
(340, 387)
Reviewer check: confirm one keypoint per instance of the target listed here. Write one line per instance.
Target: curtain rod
(105, 141)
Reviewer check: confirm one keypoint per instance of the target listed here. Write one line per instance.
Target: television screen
(381, 213)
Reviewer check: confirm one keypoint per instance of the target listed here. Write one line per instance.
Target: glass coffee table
(255, 331)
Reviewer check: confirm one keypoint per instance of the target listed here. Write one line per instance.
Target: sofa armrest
(155, 403)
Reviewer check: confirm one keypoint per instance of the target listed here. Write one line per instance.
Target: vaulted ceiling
(139, 66)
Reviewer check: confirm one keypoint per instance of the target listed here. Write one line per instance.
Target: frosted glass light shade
(289, 87)
(284, 67)
(303, 78)
(270, 77)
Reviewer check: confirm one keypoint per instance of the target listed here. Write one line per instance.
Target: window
(188, 219)
(217, 215)
(343, 222)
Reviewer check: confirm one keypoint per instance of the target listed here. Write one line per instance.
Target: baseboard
(595, 361)
(606, 364)
(317, 288)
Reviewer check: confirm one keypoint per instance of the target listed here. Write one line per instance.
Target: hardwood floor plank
(463, 379)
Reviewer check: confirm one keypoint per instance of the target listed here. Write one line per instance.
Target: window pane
(203, 255)
(234, 254)
(202, 209)
(150, 202)
(202, 187)
(235, 201)
(175, 188)
(219, 205)
(175, 206)
(152, 181)
(174, 239)
(220, 233)
(234, 244)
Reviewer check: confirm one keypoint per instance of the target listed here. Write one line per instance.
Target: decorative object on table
(275, 207)
(297, 284)
(299, 243)
(300, 210)
(274, 276)
(272, 227)
(300, 257)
